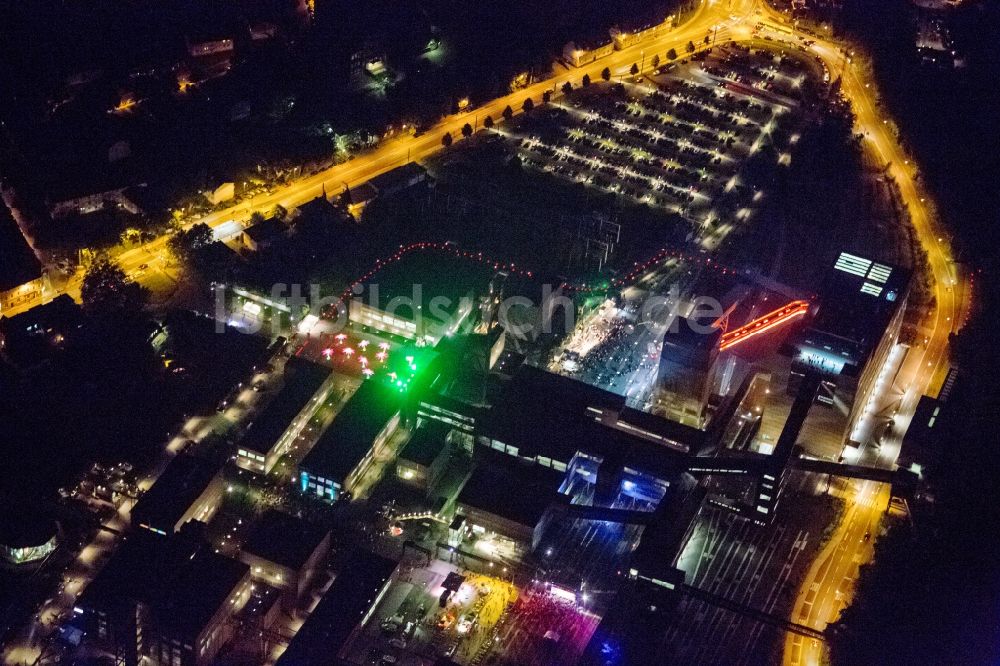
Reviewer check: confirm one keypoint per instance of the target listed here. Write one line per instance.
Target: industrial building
(509, 500)
(286, 553)
(346, 607)
(306, 386)
(687, 366)
(345, 450)
(420, 297)
(861, 308)
(163, 600)
(190, 488)
(423, 459)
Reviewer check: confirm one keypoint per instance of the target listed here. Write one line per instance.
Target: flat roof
(663, 539)
(302, 379)
(419, 277)
(546, 414)
(18, 263)
(128, 576)
(353, 592)
(265, 230)
(399, 177)
(515, 490)
(344, 444)
(685, 343)
(202, 585)
(425, 445)
(858, 299)
(181, 483)
(283, 539)
(183, 581)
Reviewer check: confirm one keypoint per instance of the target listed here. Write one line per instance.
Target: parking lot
(678, 141)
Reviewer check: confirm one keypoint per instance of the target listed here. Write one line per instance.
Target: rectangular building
(423, 458)
(164, 600)
(287, 553)
(860, 315)
(269, 436)
(36, 335)
(422, 296)
(344, 452)
(190, 488)
(509, 499)
(398, 179)
(344, 609)
(687, 366)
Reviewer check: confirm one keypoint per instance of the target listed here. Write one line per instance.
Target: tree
(586, 80)
(107, 290)
(256, 217)
(507, 113)
(446, 139)
(690, 47)
(708, 39)
(672, 54)
(185, 244)
(567, 88)
(488, 122)
(634, 69)
(655, 62)
(528, 105)
(546, 96)
(606, 73)
(279, 212)
(466, 130)
(130, 235)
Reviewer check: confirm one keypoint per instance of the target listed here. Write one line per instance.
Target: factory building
(270, 435)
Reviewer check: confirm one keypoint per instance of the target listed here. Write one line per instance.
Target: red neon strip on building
(760, 325)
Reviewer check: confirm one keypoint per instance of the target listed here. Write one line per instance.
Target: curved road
(828, 586)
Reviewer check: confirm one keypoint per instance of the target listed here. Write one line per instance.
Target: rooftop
(685, 341)
(425, 445)
(196, 591)
(420, 277)
(663, 539)
(182, 482)
(183, 581)
(514, 490)
(858, 299)
(34, 335)
(302, 379)
(320, 207)
(350, 436)
(283, 539)
(398, 178)
(546, 414)
(342, 608)
(266, 230)
(18, 263)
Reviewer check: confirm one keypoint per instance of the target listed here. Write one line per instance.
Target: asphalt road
(828, 587)
(398, 151)
(824, 592)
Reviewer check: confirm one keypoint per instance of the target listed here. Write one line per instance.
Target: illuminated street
(676, 351)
